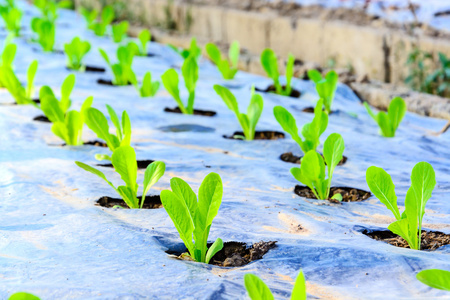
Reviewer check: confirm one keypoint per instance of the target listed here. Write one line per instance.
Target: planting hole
(142, 164)
(291, 158)
(310, 110)
(91, 69)
(151, 202)
(186, 128)
(109, 82)
(197, 112)
(259, 135)
(271, 89)
(348, 194)
(96, 144)
(41, 118)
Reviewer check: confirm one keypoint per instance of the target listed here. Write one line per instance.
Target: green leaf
(396, 112)
(189, 69)
(170, 81)
(31, 73)
(234, 53)
(256, 288)
(98, 123)
(270, 64)
(126, 124)
(288, 123)
(435, 278)
(333, 149)
(153, 173)
(119, 31)
(299, 291)
(95, 172)
(144, 37)
(254, 112)
(213, 53)
(401, 228)
(23, 296)
(215, 247)
(51, 108)
(116, 122)
(124, 162)
(66, 90)
(105, 56)
(209, 199)
(74, 124)
(315, 76)
(227, 97)
(289, 74)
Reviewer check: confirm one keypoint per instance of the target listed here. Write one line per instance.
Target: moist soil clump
(291, 158)
(41, 118)
(431, 240)
(109, 82)
(348, 194)
(141, 164)
(259, 135)
(96, 144)
(197, 112)
(310, 110)
(271, 89)
(151, 202)
(90, 69)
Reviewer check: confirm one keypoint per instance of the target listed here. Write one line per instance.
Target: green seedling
(269, 62)
(23, 296)
(409, 223)
(144, 38)
(311, 132)
(12, 17)
(10, 81)
(149, 88)
(45, 31)
(435, 278)
(248, 121)
(193, 51)
(193, 218)
(66, 89)
(312, 169)
(389, 121)
(67, 126)
(325, 86)
(98, 123)
(190, 74)
(227, 67)
(49, 8)
(258, 290)
(119, 31)
(124, 162)
(89, 15)
(75, 52)
(106, 19)
(7, 58)
(122, 70)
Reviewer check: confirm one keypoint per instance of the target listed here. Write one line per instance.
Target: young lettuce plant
(311, 132)
(193, 218)
(170, 81)
(10, 81)
(12, 17)
(119, 31)
(193, 51)
(248, 121)
(124, 162)
(123, 72)
(227, 67)
(98, 123)
(258, 290)
(75, 52)
(66, 89)
(106, 19)
(435, 278)
(312, 169)
(144, 38)
(389, 121)
(409, 223)
(45, 31)
(7, 58)
(269, 62)
(325, 86)
(149, 88)
(89, 15)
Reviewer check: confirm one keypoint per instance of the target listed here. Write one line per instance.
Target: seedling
(75, 52)
(90, 16)
(12, 17)
(270, 64)
(122, 70)
(248, 121)
(325, 86)
(227, 67)
(409, 223)
(12, 84)
(107, 17)
(258, 290)
(149, 88)
(23, 296)
(67, 126)
(144, 38)
(170, 81)
(66, 89)
(312, 169)
(124, 161)
(193, 51)
(98, 123)
(119, 31)
(7, 58)
(45, 31)
(435, 278)
(311, 132)
(193, 218)
(389, 121)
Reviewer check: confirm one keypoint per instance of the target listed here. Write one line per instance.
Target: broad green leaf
(396, 112)
(315, 76)
(50, 107)
(256, 288)
(287, 122)
(385, 124)
(23, 296)
(31, 73)
(270, 64)
(209, 198)
(233, 54)
(170, 81)
(189, 69)
(333, 148)
(213, 53)
(152, 174)
(74, 125)
(227, 97)
(126, 124)
(310, 165)
(185, 193)
(299, 291)
(435, 278)
(401, 228)
(129, 196)
(115, 120)
(254, 112)
(124, 161)
(215, 247)
(105, 56)
(98, 123)
(108, 15)
(144, 37)
(66, 90)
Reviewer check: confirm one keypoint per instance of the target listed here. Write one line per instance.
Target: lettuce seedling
(326, 87)
(190, 74)
(311, 132)
(45, 31)
(435, 278)
(98, 123)
(144, 38)
(409, 223)
(119, 31)
(124, 162)
(12, 84)
(23, 296)
(66, 89)
(269, 62)
(75, 52)
(67, 126)
(389, 122)
(193, 218)
(248, 121)
(7, 58)
(193, 51)
(149, 88)
(12, 17)
(89, 15)
(258, 290)
(312, 169)
(122, 70)
(106, 19)
(227, 67)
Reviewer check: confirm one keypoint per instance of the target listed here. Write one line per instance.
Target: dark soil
(259, 135)
(142, 164)
(348, 194)
(291, 158)
(41, 118)
(109, 82)
(311, 110)
(151, 202)
(91, 69)
(197, 112)
(271, 89)
(96, 144)
(56, 51)
(431, 240)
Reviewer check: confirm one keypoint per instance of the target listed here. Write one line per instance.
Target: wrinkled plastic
(55, 243)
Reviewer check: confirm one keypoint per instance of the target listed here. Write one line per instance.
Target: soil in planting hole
(197, 112)
(348, 194)
(109, 83)
(96, 144)
(141, 164)
(311, 110)
(291, 158)
(259, 135)
(431, 240)
(90, 69)
(151, 202)
(186, 128)
(235, 254)
(41, 118)
(271, 89)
